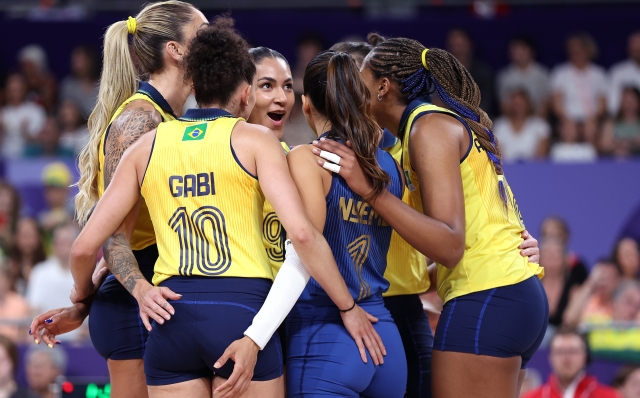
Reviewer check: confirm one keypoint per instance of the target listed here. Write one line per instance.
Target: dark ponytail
(401, 60)
(333, 83)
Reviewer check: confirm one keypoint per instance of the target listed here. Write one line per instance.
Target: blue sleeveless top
(358, 237)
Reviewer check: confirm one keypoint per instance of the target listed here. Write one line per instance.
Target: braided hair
(400, 60)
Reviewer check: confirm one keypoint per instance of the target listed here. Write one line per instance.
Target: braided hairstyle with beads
(400, 60)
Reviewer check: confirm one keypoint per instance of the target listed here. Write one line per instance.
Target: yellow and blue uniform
(116, 330)
(322, 359)
(494, 303)
(273, 235)
(408, 277)
(206, 210)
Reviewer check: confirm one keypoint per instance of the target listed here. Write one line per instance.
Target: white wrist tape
(285, 291)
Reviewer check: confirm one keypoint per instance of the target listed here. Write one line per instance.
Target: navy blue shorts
(417, 339)
(212, 314)
(323, 360)
(115, 327)
(503, 322)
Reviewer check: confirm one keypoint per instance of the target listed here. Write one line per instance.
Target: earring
(379, 98)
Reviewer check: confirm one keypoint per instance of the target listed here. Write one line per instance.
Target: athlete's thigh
(323, 360)
(257, 389)
(457, 374)
(127, 378)
(390, 378)
(196, 388)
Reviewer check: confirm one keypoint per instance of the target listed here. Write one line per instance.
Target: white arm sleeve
(287, 288)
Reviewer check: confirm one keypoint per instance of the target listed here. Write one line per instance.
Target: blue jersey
(358, 237)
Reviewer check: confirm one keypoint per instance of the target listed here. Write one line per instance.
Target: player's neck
(171, 86)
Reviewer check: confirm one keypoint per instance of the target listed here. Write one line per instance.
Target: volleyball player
(127, 109)
(198, 176)
(462, 215)
(407, 271)
(321, 359)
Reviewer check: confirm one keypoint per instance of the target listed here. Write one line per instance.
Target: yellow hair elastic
(131, 25)
(424, 58)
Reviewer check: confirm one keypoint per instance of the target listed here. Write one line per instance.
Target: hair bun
(375, 38)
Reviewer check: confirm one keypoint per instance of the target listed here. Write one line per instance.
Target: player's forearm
(122, 262)
(316, 255)
(82, 264)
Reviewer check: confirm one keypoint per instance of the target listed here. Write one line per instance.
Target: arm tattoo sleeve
(126, 130)
(121, 261)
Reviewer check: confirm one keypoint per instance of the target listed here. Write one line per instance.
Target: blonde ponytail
(156, 24)
(117, 83)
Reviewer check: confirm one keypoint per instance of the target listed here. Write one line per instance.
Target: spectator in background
(460, 45)
(627, 381)
(627, 256)
(43, 367)
(81, 86)
(557, 280)
(625, 74)
(568, 359)
(14, 310)
(74, 134)
(621, 135)
(42, 86)
(522, 135)
(51, 281)
(20, 120)
(56, 178)
(574, 146)
(526, 74)
(26, 252)
(554, 227)
(593, 301)
(579, 90)
(308, 46)
(47, 143)
(626, 302)
(8, 368)
(9, 213)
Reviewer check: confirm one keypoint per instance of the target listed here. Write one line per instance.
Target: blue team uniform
(323, 359)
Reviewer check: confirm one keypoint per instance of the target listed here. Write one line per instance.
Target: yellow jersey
(205, 207)
(273, 235)
(406, 266)
(492, 232)
(143, 235)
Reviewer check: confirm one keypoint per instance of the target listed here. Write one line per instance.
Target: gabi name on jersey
(360, 212)
(201, 184)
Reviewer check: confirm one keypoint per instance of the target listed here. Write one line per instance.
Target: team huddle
(241, 267)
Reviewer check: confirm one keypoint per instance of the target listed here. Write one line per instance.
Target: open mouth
(275, 116)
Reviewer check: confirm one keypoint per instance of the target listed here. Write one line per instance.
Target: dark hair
(218, 62)
(354, 48)
(260, 53)
(400, 60)
(14, 211)
(587, 42)
(310, 38)
(616, 250)
(636, 93)
(571, 331)
(12, 351)
(608, 261)
(333, 83)
(623, 374)
(39, 255)
(91, 53)
(559, 220)
(525, 41)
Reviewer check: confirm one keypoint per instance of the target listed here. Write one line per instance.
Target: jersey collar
(407, 112)
(204, 114)
(151, 92)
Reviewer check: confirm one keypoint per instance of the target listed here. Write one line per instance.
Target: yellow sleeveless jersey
(492, 233)
(273, 235)
(406, 266)
(143, 235)
(205, 207)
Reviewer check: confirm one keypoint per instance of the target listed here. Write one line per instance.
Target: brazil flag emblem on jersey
(195, 133)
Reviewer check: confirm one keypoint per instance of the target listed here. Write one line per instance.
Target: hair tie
(424, 58)
(131, 25)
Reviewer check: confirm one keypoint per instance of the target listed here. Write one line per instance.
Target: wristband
(352, 307)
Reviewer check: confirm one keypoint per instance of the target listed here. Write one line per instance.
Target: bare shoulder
(438, 125)
(248, 134)
(138, 115)
(302, 153)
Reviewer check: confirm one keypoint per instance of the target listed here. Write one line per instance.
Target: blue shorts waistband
(205, 284)
(322, 308)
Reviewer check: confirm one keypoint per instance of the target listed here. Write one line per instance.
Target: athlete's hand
(244, 354)
(56, 322)
(350, 169)
(359, 325)
(530, 247)
(96, 280)
(152, 301)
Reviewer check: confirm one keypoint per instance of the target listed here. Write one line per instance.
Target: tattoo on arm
(120, 260)
(124, 131)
